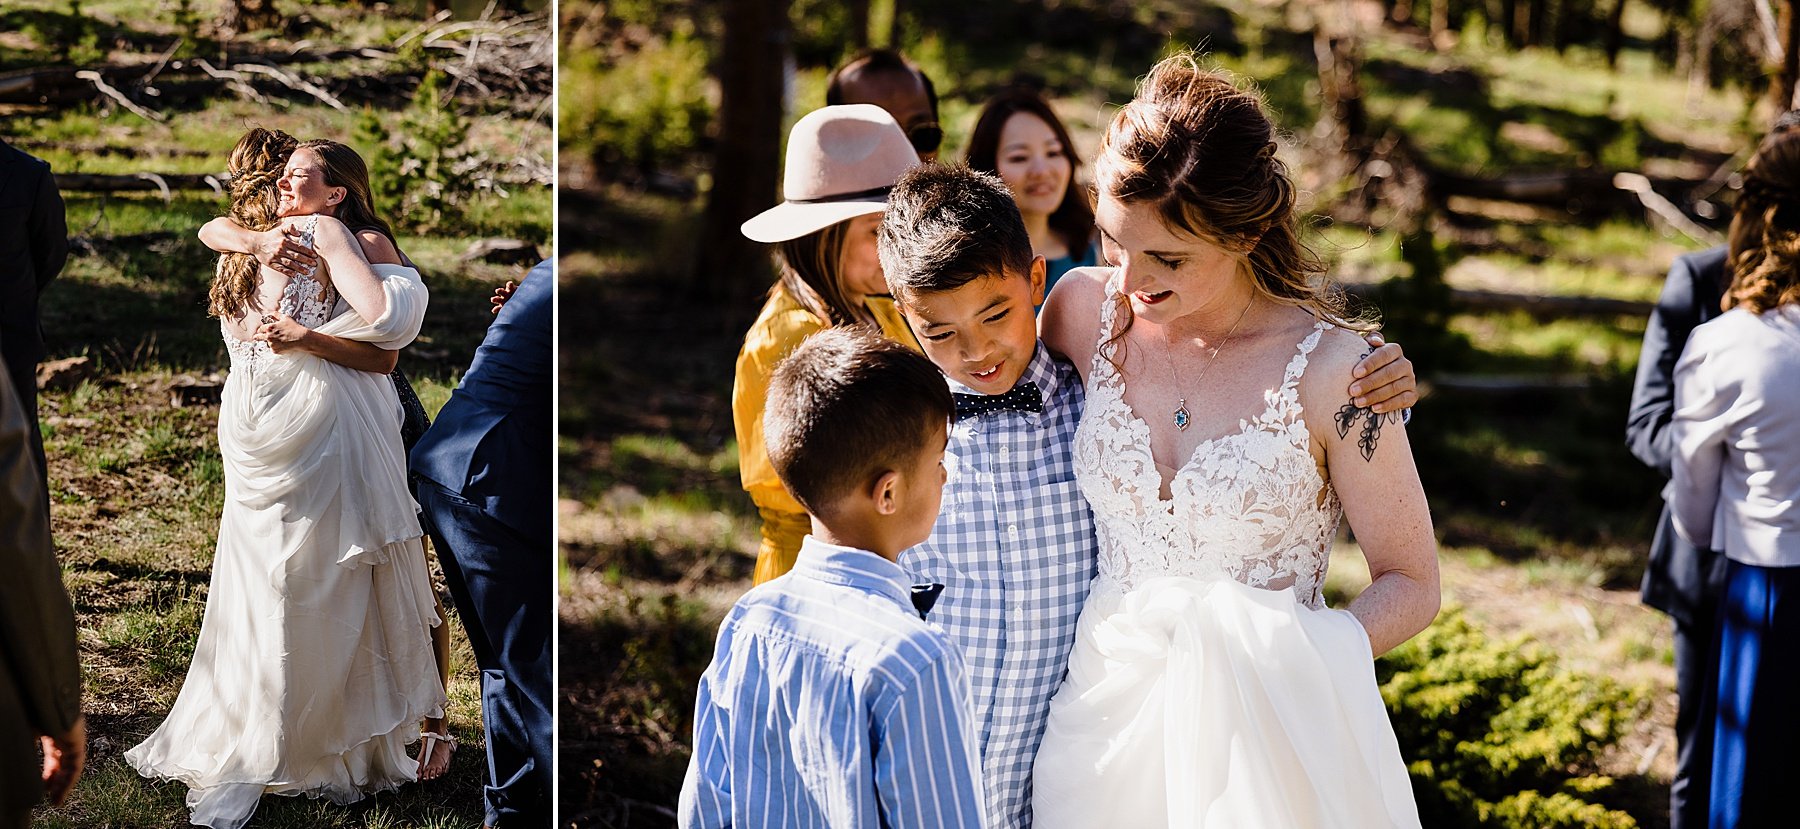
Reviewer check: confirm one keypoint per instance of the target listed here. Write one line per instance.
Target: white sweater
(1736, 428)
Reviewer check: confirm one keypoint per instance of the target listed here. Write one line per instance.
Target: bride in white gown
(1209, 685)
(313, 666)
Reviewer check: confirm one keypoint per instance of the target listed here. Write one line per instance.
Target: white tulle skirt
(314, 664)
(1196, 703)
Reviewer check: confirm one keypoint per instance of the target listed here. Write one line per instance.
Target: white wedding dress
(1209, 686)
(314, 663)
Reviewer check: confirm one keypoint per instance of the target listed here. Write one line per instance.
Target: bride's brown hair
(256, 163)
(1764, 257)
(1201, 151)
(344, 168)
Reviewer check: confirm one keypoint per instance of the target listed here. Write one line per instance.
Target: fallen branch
(296, 83)
(1654, 202)
(110, 92)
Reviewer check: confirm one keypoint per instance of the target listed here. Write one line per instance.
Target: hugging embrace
(315, 665)
(1129, 513)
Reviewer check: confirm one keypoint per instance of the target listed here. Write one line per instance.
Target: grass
(137, 484)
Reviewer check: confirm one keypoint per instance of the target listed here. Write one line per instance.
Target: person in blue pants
(485, 483)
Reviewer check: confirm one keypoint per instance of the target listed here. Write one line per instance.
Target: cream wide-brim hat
(841, 162)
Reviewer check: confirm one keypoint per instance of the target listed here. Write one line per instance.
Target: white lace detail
(304, 298)
(1248, 506)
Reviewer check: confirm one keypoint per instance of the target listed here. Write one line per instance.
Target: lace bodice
(304, 298)
(1248, 505)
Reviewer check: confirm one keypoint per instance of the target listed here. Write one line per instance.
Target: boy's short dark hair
(948, 225)
(846, 405)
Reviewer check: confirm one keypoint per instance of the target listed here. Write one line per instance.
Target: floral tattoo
(1349, 413)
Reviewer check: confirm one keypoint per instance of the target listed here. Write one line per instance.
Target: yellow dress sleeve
(781, 327)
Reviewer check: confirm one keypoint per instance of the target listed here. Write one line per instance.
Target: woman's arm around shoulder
(1369, 463)
(347, 267)
(1070, 321)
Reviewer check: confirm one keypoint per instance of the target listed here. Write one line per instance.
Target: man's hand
(501, 295)
(282, 332)
(64, 758)
(279, 249)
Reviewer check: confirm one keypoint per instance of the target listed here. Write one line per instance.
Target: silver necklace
(1181, 415)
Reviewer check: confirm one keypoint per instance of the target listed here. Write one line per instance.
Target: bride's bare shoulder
(1070, 321)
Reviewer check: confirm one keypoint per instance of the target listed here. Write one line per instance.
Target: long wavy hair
(811, 273)
(344, 168)
(1764, 240)
(1073, 218)
(256, 164)
(1201, 151)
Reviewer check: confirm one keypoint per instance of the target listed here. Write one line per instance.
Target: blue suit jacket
(1680, 580)
(493, 442)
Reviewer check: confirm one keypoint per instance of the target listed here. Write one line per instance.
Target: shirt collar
(856, 568)
(1041, 370)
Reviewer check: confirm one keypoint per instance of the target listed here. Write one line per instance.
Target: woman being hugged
(1210, 685)
(313, 666)
(1736, 484)
(841, 162)
(1019, 138)
(329, 179)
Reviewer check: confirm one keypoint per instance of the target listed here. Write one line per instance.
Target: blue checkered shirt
(830, 705)
(1015, 548)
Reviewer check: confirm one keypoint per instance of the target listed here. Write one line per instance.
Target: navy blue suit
(484, 472)
(1680, 579)
(34, 244)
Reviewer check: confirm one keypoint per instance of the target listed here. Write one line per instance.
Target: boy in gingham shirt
(829, 701)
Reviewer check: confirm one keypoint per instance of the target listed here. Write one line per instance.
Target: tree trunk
(1783, 92)
(859, 24)
(1615, 34)
(748, 154)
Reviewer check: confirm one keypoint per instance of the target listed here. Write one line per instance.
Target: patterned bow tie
(1024, 397)
(924, 596)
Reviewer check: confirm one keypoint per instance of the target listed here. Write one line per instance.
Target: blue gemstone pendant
(1181, 416)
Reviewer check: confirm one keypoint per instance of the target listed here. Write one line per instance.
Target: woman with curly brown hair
(1736, 487)
(313, 667)
(1209, 684)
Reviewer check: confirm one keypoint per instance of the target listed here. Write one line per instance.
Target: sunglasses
(926, 137)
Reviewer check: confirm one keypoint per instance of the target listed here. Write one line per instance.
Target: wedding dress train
(313, 666)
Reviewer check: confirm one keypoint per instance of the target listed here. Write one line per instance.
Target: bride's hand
(1385, 381)
(279, 249)
(282, 332)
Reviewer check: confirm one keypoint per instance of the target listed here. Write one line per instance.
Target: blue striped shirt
(830, 703)
(1014, 546)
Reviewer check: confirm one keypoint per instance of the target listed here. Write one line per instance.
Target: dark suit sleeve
(37, 625)
(1653, 394)
(49, 230)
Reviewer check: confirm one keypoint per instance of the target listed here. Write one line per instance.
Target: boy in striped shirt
(829, 701)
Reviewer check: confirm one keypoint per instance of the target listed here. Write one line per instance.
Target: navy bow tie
(924, 596)
(1023, 397)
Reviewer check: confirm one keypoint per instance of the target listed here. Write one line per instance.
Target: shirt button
(1012, 530)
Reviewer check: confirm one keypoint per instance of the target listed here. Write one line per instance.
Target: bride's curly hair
(1200, 149)
(1764, 252)
(256, 163)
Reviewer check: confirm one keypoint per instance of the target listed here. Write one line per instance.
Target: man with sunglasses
(885, 78)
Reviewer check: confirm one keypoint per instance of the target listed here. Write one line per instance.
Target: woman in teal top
(1020, 139)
